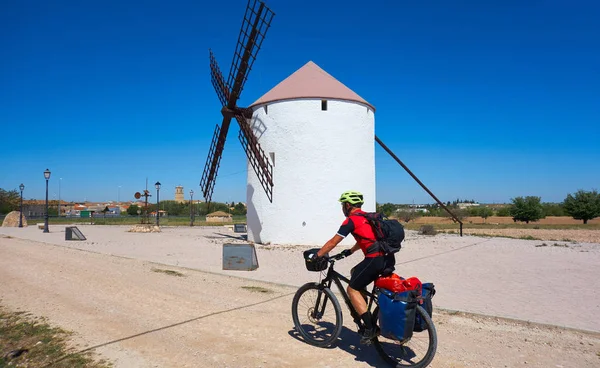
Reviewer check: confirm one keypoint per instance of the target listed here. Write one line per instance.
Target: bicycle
(314, 327)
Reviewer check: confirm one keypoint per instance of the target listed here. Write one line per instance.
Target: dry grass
(168, 272)
(257, 289)
(27, 341)
(497, 220)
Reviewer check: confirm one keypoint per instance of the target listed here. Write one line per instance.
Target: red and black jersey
(361, 231)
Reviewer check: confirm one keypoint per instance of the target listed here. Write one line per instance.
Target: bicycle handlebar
(336, 257)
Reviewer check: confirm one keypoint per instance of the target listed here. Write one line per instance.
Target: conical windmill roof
(310, 81)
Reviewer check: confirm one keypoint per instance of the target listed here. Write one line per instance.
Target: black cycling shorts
(368, 270)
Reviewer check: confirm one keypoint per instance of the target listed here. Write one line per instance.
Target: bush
(503, 212)
(553, 209)
(460, 213)
(407, 215)
(427, 230)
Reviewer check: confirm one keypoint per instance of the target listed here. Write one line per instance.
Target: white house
(319, 136)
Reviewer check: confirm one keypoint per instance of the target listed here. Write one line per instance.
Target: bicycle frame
(337, 278)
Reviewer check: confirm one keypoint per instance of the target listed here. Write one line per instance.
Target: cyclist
(370, 268)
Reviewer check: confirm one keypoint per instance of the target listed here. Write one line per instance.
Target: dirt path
(140, 318)
(562, 235)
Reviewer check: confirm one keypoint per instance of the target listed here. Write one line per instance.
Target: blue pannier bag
(397, 313)
(428, 293)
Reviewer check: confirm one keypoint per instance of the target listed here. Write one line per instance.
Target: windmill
(255, 25)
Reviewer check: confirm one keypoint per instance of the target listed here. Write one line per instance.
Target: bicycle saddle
(388, 271)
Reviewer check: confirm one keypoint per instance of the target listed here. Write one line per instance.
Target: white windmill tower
(318, 135)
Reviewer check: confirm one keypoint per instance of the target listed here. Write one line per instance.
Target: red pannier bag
(398, 284)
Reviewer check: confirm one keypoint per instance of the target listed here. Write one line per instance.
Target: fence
(130, 220)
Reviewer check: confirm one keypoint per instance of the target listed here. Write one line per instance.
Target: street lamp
(22, 187)
(157, 186)
(191, 208)
(59, 181)
(47, 176)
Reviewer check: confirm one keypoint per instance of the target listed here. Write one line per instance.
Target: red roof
(310, 81)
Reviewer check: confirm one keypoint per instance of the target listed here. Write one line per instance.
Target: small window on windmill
(272, 156)
(266, 109)
(324, 105)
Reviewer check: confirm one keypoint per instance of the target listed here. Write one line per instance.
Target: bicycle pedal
(366, 342)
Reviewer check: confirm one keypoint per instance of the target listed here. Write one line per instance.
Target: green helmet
(352, 197)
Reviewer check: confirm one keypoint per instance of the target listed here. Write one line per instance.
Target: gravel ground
(140, 318)
(583, 236)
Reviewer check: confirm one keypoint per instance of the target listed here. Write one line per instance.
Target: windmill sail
(207, 183)
(223, 91)
(256, 156)
(255, 24)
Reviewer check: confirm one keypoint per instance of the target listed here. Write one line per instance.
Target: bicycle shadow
(349, 341)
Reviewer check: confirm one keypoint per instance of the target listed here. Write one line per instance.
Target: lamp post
(47, 176)
(157, 186)
(191, 208)
(22, 187)
(59, 181)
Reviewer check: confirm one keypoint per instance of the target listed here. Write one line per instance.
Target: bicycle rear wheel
(418, 351)
(317, 315)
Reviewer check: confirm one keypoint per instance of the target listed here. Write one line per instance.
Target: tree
(481, 211)
(553, 209)
(132, 210)
(527, 209)
(485, 212)
(9, 200)
(503, 212)
(175, 208)
(408, 215)
(583, 205)
(387, 208)
(104, 211)
(460, 213)
(239, 209)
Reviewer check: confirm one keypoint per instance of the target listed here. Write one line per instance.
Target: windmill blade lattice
(218, 81)
(256, 156)
(207, 183)
(255, 25)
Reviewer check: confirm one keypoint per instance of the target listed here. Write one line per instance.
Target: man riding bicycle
(370, 268)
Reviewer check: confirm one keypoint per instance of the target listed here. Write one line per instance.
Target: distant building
(179, 198)
(218, 216)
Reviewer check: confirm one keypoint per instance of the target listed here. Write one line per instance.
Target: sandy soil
(139, 318)
(551, 220)
(563, 235)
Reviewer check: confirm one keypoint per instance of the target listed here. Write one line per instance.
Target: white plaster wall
(318, 155)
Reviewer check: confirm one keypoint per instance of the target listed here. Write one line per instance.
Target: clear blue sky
(483, 100)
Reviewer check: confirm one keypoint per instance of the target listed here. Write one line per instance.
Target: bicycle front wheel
(417, 351)
(317, 315)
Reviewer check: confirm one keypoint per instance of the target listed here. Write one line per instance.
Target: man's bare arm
(331, 243)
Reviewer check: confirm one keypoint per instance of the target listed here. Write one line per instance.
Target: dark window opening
(324, 105)
(272, 155)
(266, 110)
